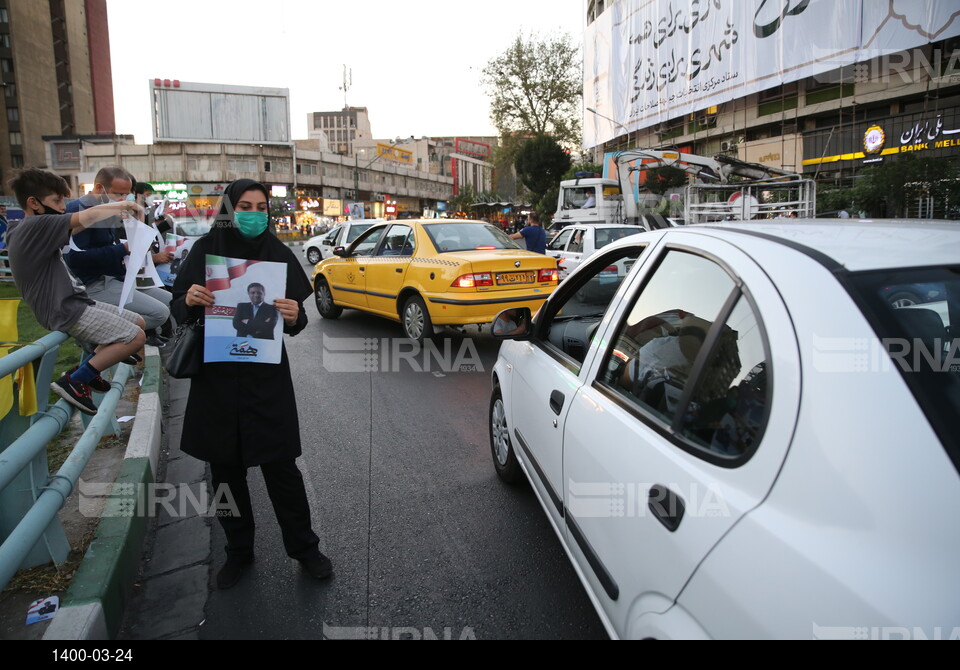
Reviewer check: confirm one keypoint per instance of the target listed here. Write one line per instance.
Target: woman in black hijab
(245, 415)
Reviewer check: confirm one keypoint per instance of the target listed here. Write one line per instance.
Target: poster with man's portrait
(244, 326)
(180, 248)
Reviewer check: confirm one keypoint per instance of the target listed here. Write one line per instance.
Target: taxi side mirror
(341, 252)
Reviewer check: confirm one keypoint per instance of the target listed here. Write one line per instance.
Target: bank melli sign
(649, 61)
(931, 133)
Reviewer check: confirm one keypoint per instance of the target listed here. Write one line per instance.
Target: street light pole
(613, 121)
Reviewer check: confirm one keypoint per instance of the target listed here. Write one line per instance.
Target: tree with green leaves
(887, 189)
(535, 88)
(541, 164)
(662, 179)
(463, 200)
(582, 167)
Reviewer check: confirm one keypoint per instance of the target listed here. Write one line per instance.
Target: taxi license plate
(508, 278)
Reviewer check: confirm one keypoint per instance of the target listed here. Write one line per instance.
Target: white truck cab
(589, 199)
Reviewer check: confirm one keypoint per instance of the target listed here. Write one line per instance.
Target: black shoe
(318, 566)
(132, 359)
(231, 572)
(100, 385)
(75, 393)
(157, 341)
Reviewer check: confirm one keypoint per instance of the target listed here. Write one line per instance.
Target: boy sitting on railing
(58, 299)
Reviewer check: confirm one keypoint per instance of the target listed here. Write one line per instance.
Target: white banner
(650, 61)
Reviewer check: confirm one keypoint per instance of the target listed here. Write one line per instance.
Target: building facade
(193, 175)
(468, 161)
(340, 132)
(875, 87)
(56, 76)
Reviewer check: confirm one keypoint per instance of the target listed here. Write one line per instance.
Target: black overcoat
(241, 413)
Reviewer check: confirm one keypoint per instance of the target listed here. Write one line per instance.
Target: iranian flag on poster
(244, 326)
(221, 272)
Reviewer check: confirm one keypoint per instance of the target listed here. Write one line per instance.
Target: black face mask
(51, 211)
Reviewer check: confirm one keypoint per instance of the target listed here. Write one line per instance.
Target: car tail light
(477, 280)
(549, 275)
(608, 270)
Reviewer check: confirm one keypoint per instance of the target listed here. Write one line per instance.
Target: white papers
(140, 238)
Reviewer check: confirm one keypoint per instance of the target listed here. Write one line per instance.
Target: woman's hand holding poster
(244, 326)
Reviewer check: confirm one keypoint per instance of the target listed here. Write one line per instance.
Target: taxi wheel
(504, 459)
(325, 305)
(313, 256)
(416, 320)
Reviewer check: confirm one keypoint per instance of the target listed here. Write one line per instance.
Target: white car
(744, 438)
(321, 247)
(574, 244)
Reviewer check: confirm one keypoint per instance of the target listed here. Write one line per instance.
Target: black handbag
(186, 356)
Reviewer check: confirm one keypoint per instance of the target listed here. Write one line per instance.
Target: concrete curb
(93, 606)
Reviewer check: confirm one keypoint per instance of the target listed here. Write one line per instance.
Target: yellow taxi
(431, 273)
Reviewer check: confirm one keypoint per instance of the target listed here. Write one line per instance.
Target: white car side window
(571, 321)
(654, 351)
(670, 359)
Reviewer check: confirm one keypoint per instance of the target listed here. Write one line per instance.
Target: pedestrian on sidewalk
(241, 415)
(58, 300)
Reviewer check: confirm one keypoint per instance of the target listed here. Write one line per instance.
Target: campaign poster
(43, 610)
(180, 248)
(244, 326)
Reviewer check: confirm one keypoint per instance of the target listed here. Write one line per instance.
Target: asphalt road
(425, 540)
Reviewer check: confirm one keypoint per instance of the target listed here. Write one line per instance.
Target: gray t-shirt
(56, 297)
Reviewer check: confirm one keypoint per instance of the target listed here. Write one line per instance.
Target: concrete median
(93, 606)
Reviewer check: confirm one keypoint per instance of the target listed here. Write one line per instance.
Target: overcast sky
(416, 64)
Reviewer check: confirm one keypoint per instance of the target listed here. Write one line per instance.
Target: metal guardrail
(6, 274)
(768, 199)
(30, 497)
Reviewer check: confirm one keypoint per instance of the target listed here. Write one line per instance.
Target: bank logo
(874, 140)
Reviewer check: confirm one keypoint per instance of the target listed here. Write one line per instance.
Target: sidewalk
(168, 599)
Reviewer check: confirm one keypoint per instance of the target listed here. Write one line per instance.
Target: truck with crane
(725, 189)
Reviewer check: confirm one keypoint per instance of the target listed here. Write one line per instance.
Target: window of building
(4, 17)
(203, 163)
(6, 64)
(241, 165)
(11, 90)
(16, 161)
(16, 139)
(5, 41)
(276, 166)
(13, 114)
